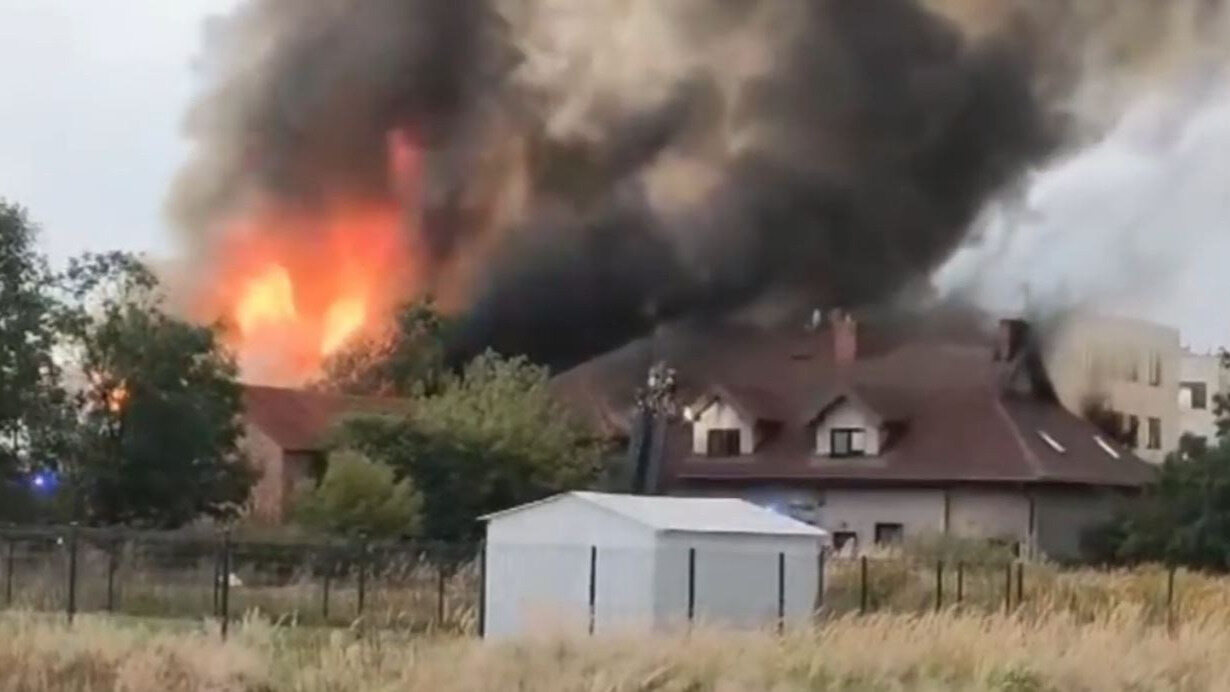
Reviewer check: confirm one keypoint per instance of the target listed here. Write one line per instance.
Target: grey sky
(1137, 223)
(94, 92)
(93, 95)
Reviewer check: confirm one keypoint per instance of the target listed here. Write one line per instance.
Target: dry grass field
(945, 651)
(1086, 631)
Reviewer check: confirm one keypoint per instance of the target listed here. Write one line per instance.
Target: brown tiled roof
(951, 419)
(300, 420)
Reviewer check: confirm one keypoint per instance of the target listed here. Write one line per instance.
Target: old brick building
(286, 433)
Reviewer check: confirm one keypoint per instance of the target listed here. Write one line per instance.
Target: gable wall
(721, 416)
(268, 497)
(847, 415)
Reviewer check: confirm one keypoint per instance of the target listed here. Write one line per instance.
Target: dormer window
(846, 425)
(725, 442)
(848, 442)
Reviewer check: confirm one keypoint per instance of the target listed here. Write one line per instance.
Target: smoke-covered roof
(949, 416)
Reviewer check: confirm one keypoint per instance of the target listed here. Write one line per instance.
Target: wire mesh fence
(439, 587)
(413, 586)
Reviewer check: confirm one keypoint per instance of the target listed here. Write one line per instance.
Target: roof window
(1106, 447)
(1051, 442)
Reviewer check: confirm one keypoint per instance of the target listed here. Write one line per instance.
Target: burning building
(874, 430)
(563, 176)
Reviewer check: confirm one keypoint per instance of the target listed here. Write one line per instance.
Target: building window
(845, 542)
(1155, 433)
(847, 442)
(1132, 431)
(1195, 395)
(889, 534)
(1155, 369)
(1131, 367)
(725, 442)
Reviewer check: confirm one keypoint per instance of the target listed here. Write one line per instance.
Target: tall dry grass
(1114, 645)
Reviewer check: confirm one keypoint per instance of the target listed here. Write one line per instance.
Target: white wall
(1206, 369)
(538, 565)
(989, 514)
(1083, 356)
(856, 510)
(736, 579)
(847, 415)
(721, 416)
(1062, 516)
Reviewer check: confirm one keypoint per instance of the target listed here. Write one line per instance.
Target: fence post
(862, 582)
(1020, 584)
(217, 582)
(960, 582)
(482, 588)
(593, 585)
(327, 566)
(820, 565)
(72, 572)
(781, 592)
(691, 585)
(939, 585)
(8, 572)
(1170, 599)
(112, 565)
(1008, 587)
(362, 574)
(441, 577)
(225, 585)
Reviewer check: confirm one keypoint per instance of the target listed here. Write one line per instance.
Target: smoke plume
(567, 173)
(1130, 216)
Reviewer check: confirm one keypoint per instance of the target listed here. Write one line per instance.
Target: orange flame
(299, 287)
(300, 283)
(269, 299)
(117, 398)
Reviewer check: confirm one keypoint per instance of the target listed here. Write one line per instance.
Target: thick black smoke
(834, 150)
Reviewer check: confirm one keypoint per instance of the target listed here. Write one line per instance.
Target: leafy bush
(490, 439)
(358, 495)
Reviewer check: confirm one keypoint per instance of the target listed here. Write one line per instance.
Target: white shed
(598, 562)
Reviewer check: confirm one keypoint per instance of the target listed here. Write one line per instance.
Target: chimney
(845, 337)
(1011, 340)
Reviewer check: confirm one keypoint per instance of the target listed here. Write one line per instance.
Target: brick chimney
(1011, 339)
(845, 337)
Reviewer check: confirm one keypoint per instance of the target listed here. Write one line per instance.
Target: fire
(117, 398)
(344, 319)
(268, 300)
(299, 286)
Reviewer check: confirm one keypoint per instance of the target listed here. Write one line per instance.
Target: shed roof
(685, 514)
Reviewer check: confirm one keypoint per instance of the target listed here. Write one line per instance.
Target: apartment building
(1202, 377)
(1125, 369)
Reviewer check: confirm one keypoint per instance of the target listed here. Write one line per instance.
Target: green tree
(491, 438)
(34, 416)
(1221, 402)
(407, 360)
(361, 496)
(158, 402)
(1183, 518)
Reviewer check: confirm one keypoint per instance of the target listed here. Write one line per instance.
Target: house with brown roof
(286, 433)
(874, 431)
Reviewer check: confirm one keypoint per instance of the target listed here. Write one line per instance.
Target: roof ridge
(1030, 457)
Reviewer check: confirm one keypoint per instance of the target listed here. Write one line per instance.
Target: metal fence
(435, 587)
(413, 586)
